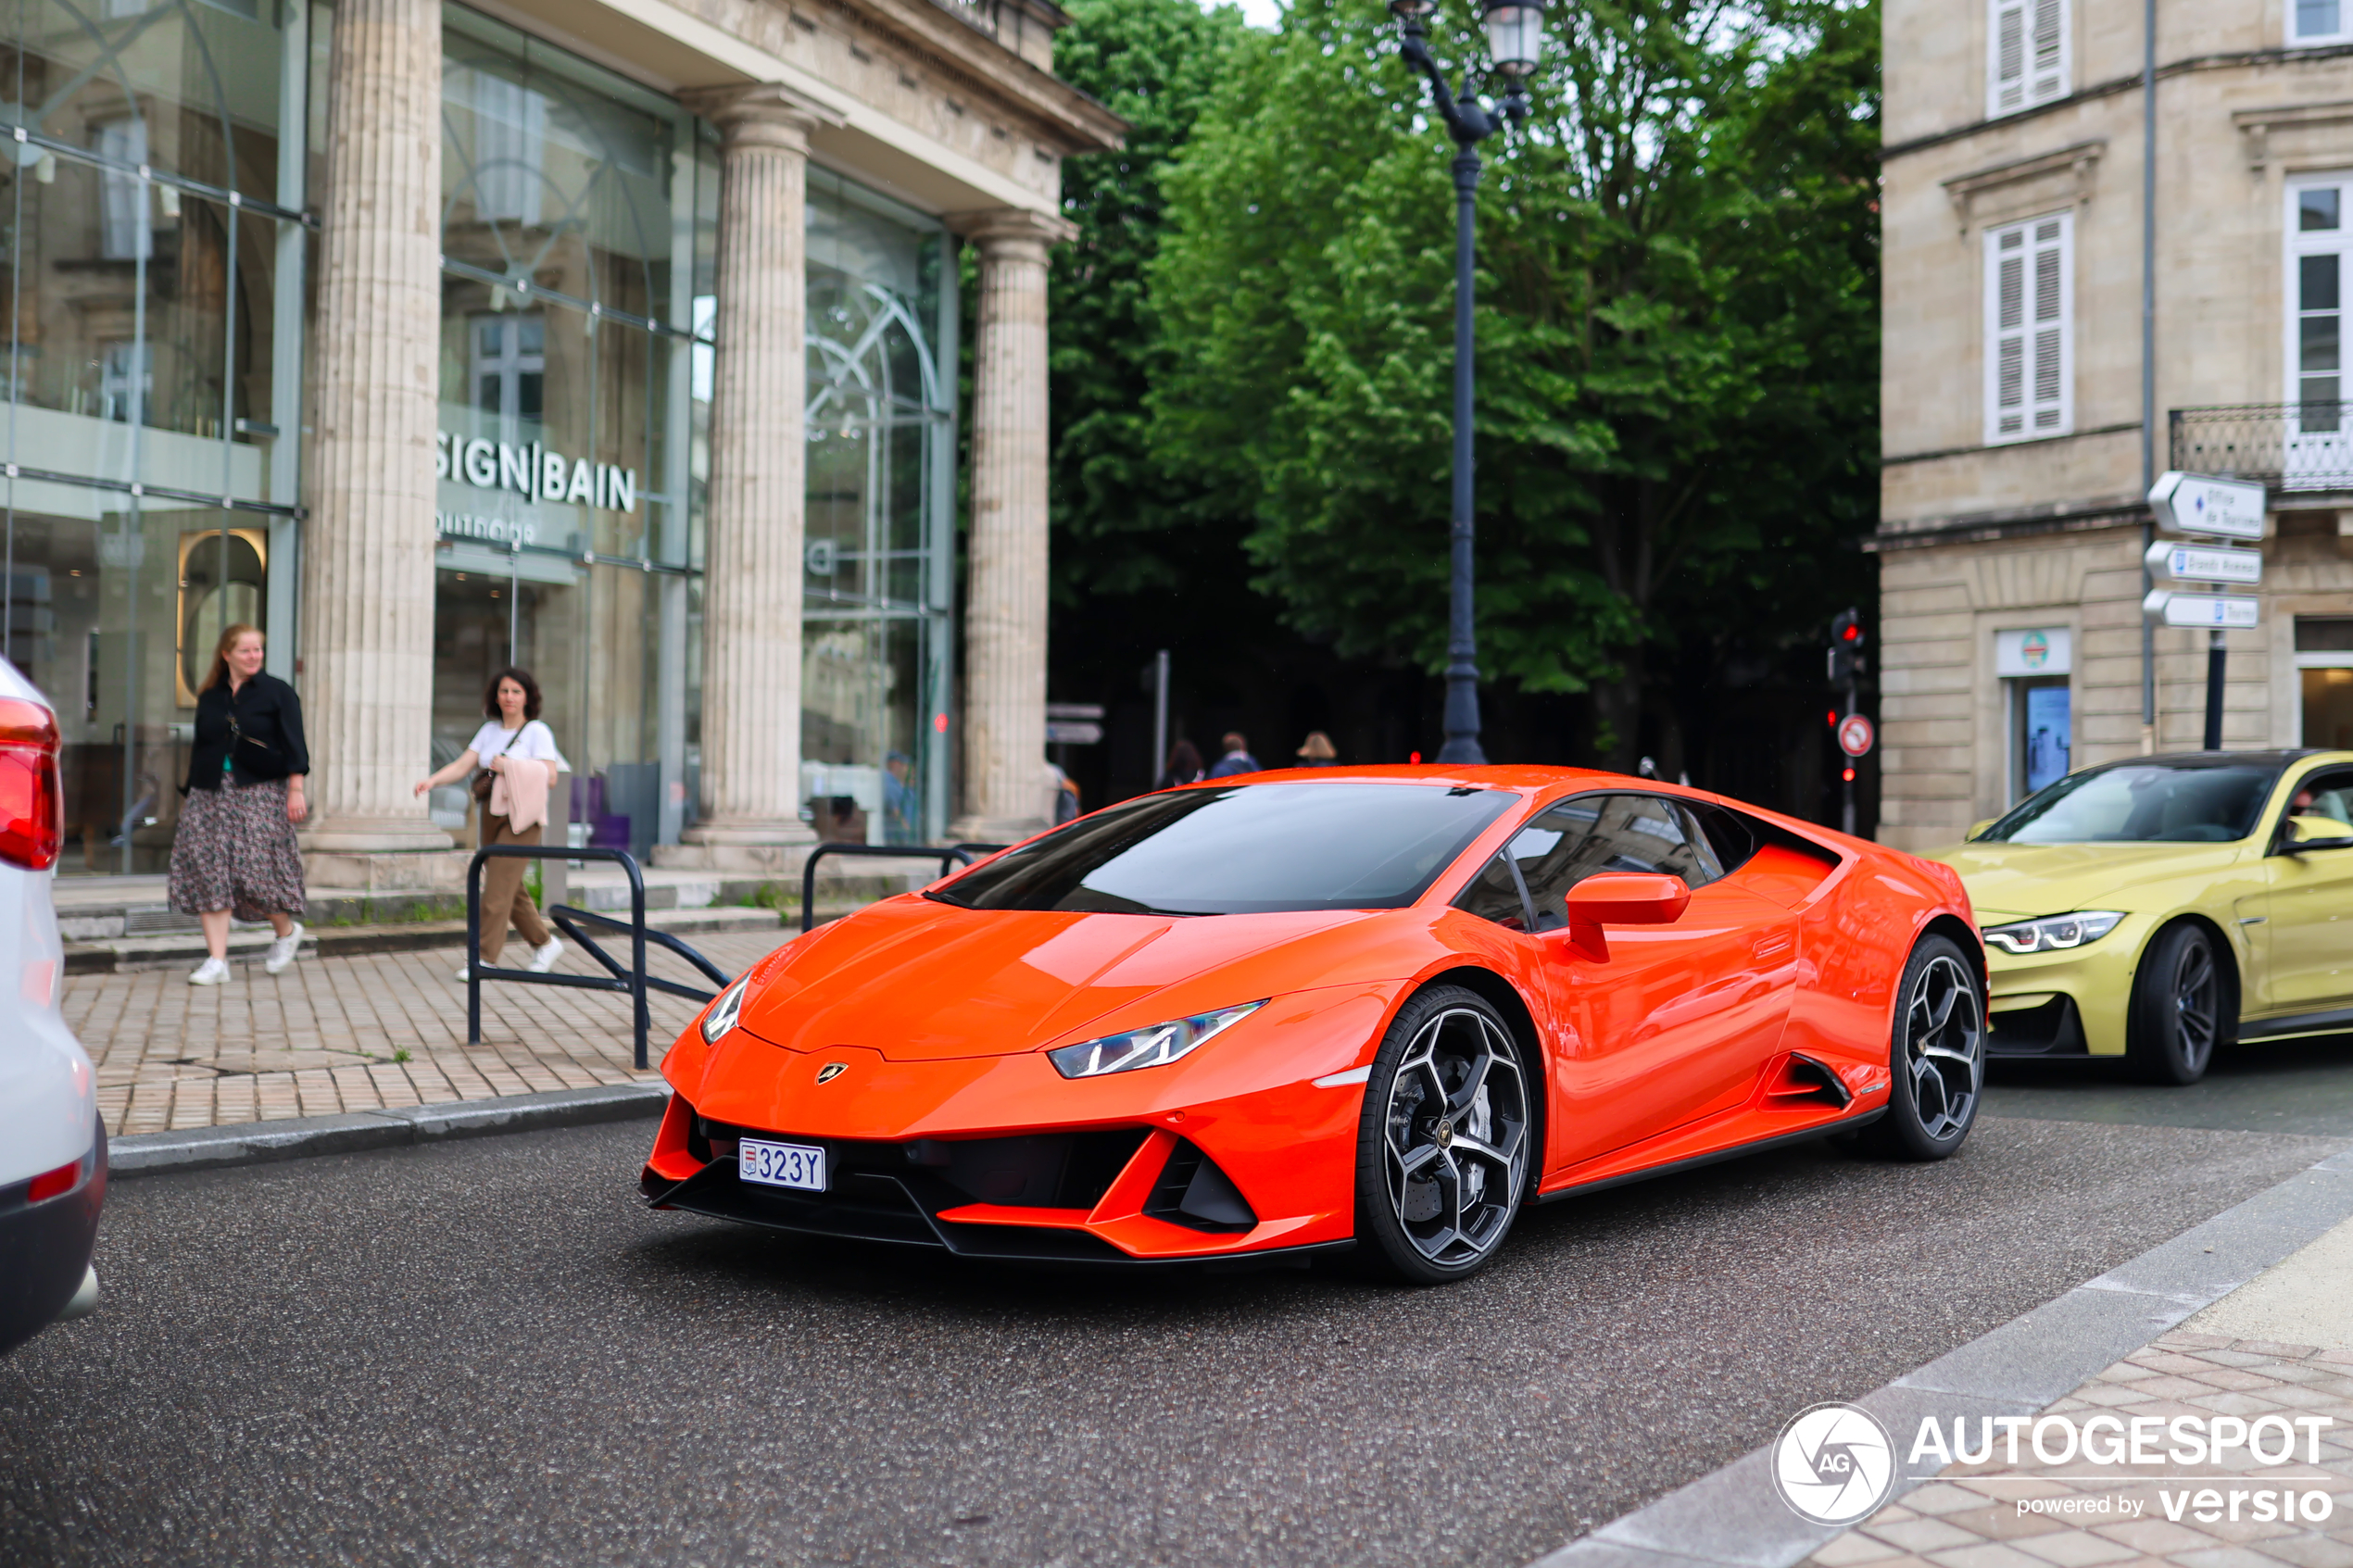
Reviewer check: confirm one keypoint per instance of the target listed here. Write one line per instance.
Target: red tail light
(49, 1183)
(32, 799)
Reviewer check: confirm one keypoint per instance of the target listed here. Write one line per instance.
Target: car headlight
(2053, 933)
(725, 1011)
(1155, 1047)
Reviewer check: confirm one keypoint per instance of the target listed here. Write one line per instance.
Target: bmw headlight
(1155, 1047)
(2053, 933)
(725, 1011)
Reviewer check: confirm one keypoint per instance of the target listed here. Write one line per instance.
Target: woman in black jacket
(234, 852)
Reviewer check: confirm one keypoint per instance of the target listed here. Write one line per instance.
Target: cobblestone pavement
(372, 1033)
(2067, 1515)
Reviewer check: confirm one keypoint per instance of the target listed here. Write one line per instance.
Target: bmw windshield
(1243, 849)
(2155, 801)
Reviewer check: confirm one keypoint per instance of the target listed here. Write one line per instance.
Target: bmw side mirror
(1621, 898)
(2314, 833)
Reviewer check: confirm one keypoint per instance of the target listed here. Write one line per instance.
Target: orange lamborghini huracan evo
(1302, 1011)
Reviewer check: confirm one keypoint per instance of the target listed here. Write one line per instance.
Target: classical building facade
(2017, 457)
(613, 338)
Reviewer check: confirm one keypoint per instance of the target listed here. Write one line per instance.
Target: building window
(2026, 54)
(2029, 311)
(2318, 21)
(2314, 351)
(2035, 665)
(2324, 668)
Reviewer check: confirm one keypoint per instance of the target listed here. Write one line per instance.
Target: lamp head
(1514, 37)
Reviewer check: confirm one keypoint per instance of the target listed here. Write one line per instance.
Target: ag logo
(1833, 1463)
(832, 1071)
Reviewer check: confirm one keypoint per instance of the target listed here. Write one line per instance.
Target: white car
(53, 1147)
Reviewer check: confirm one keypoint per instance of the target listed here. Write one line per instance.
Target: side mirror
(2315, 833)
(1621, 898)
(1976, 828)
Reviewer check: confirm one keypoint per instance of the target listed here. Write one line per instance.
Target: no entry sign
(1855, 734)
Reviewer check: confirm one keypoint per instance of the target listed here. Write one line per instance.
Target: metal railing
(2284, 446)
(944, 854)
(629, 980)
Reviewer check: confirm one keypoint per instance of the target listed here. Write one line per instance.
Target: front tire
(1937, 1055)
(2178, 999)
(1443, 1148)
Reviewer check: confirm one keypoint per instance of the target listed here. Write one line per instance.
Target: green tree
(1676, 336)
(1126, 524)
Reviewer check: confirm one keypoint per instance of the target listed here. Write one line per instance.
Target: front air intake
(1194, 1193)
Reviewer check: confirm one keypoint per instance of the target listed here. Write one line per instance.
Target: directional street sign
(2214, 611)
(2204, 563)
(1855, 734)
(2190, 502)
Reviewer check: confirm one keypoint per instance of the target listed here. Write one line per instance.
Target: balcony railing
(2286, 445)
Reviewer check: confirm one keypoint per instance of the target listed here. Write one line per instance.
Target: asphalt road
(491, 1353)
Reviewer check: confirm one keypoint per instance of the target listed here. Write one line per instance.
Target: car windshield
(2144, 803)
(1243, 849)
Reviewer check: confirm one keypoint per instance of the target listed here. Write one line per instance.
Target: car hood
(918, 980)
(2020, 881)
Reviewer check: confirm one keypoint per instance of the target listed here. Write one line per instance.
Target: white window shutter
(2030, 329)
(2026, 53)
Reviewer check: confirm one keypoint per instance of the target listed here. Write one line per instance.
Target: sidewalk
(374, 1031)
(2281, 1345)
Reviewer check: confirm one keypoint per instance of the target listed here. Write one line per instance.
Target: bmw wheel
(2178, 1002)
(1443, 1154)
(1937, 1055)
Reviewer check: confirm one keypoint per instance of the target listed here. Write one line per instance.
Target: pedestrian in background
(1237, 759)
(1184, 767)
(234, 851)
(518, 764)
(1317, 752)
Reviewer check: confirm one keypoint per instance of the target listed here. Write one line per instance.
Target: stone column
(749, 811)
(367, 600)
(1004, 753)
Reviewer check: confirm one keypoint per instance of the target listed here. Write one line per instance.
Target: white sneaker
(284, 951)
(464, 974)
(212, 972)
(543, 957)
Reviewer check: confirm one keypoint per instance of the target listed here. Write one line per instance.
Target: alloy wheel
(1944, 1046)
(1455, 1137)
(2197, 1004)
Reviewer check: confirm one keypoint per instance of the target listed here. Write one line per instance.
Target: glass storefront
(152, 185)
(579, 220)
(876, 617)
(161, 153)
(569, 499)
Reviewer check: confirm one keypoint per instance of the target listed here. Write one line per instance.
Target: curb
(1734, 1518)
(258, 1143)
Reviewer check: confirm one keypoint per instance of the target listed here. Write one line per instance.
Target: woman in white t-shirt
(520, 763)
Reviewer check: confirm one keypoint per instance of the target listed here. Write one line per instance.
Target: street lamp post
(1514, 41)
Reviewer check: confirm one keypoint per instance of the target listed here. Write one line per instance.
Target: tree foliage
(1677, 334)
(1125, 522)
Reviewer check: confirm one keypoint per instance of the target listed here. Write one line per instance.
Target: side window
(1494, 895)
(1734, 837)
(1609, 833)
(2325, 795)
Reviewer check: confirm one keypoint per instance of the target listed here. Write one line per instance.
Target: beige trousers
(502, 891)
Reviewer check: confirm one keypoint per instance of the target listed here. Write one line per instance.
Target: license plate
(781, 1164)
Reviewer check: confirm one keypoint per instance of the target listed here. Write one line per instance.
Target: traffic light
(1847, 638)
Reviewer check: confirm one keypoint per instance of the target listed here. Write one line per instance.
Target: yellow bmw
(2159, 908)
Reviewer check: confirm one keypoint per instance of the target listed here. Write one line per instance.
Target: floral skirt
(235, 850)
